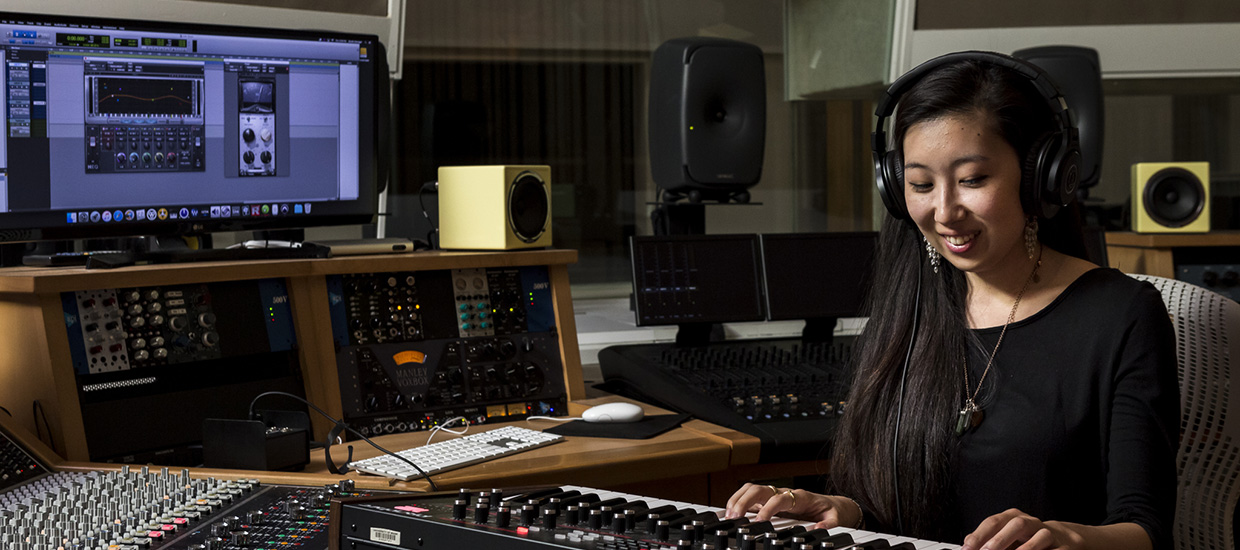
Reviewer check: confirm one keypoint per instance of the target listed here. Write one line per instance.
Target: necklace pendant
(970, 417)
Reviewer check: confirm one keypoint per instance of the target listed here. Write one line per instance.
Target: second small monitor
(816, 275)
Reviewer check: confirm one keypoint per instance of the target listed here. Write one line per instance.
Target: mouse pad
(645, 428)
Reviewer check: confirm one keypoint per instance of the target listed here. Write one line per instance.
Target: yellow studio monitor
(1171, 197)
(501, 207)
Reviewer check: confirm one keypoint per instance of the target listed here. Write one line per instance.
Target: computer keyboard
(456, 453)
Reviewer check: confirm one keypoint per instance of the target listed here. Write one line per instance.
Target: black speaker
(707, 116)
(1077, 73)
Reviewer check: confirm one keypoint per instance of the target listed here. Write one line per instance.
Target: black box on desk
(252, 445)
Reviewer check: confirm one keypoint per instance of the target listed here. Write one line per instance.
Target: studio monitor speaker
(707, 115)
(500, 207)
(1171, 197)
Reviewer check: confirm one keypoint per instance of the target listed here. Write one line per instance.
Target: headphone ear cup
(1034, 179)
(891, 185)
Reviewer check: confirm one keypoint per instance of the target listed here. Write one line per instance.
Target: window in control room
(565, 83)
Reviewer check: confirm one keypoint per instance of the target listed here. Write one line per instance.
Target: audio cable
(341, 424)
(895, 438)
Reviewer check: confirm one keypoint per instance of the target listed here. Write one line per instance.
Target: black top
(1082, 412)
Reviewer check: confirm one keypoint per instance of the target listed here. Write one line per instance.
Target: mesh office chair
(1207, 329)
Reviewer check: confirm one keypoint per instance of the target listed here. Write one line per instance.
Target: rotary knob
(248, 135)
(210, 339)
(265, 134)
(161, 353)
(206, 320)
(266, 157)
(248, 157)
(177, 323)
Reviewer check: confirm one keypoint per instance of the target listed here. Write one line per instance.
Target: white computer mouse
(613, 412)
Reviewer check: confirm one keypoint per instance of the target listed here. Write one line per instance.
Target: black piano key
(703, 516)
(523, 497)
(839, 540)
(608, 502)
(543, 500)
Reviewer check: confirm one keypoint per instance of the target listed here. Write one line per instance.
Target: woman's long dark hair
(863, 463)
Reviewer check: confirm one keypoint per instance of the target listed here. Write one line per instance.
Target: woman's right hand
(766, 501)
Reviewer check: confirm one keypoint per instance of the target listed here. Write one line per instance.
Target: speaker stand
(684, 218)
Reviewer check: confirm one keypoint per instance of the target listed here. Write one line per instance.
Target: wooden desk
(1151, 254)
(678, 464)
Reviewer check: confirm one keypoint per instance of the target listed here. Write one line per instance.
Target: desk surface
(695, 448)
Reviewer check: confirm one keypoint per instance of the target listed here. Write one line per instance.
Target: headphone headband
(1058, 167)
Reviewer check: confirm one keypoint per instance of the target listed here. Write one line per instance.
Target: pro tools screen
(111, 123)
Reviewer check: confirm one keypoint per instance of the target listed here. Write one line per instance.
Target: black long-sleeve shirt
(1082, 412)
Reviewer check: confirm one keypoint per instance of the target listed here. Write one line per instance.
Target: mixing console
(139, 509)
(785, 392)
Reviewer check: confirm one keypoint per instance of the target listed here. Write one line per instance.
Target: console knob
(157, 320)
(206, 319)
(549, 516)
(176, 323)
(120, 159)
(248, 135)
(265, 134)
(172, 157)
(248, 157)
(458, 509)
(210, 339)
(157, 342)
(141, 355)
(503, 517)
(266, 157)
(161, 353)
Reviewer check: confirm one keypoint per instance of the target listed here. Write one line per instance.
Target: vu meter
(257, 112)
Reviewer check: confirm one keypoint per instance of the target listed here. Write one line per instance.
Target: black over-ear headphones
(1049, 175)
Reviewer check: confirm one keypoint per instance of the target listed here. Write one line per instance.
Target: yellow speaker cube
(1171, 197)
(501, 207)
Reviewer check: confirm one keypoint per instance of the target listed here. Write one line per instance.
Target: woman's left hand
(1017, 530)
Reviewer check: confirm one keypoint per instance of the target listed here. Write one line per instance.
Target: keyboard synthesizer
(571, 517)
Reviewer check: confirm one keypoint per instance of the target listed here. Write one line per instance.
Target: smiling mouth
(958, 243)
(957, 240)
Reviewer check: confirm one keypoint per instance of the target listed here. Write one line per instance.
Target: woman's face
(962, 188)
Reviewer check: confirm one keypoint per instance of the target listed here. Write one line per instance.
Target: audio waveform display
(145, 96)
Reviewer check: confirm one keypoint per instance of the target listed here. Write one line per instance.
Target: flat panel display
(697, 279)
(122, 127)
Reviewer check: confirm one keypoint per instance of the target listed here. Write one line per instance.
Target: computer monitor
(682, 279)
(817, 275)
(125, 127)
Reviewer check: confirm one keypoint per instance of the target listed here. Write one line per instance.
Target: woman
(1039, 406)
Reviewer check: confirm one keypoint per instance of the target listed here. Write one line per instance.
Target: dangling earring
(932, 254)
(1031, 236)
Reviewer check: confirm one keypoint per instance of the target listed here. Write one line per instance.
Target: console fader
(417, 348)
